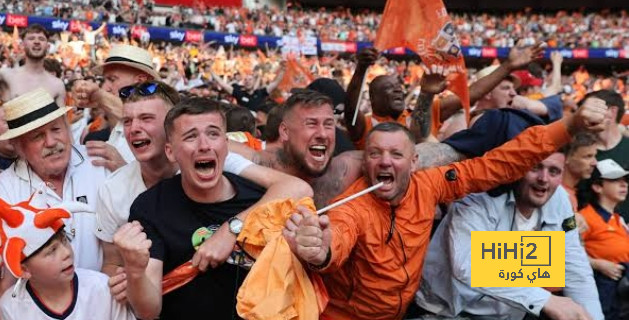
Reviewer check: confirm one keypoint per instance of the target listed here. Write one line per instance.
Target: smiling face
(198, 143)
(143, 123)
(540, 183)
(389, 157)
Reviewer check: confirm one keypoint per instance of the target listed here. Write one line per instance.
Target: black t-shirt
(250, 101)
(170, 219)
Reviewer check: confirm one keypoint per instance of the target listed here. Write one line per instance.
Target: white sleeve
(107, 221)
(235, 163)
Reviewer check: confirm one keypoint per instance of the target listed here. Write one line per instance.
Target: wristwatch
(235, 225)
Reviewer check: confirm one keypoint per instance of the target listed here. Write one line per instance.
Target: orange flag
(295, 76)
(425, 27)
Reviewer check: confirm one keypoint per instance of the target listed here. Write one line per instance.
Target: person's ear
(283, 130)
(170, 154)
(597, 188)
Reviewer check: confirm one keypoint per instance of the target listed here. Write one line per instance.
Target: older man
(126, 65)
(41, 136)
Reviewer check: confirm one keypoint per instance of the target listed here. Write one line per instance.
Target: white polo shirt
(81, 184)
(91, 299)
(117, 194)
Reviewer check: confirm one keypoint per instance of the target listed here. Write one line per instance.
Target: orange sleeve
(436, 116)
(502, 165)
(345, 224)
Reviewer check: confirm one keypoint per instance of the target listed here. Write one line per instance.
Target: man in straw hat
(40, 134)
(372, 249)
(126, 65)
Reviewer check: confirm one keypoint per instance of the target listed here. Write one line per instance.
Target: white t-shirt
(117, 194)
(91, 300)
(524, 224)
(80, 190)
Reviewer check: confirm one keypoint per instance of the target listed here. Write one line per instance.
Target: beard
(33, 56)
(290, 157)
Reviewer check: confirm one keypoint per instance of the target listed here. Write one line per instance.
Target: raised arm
(513, 159)
(519, 57)
(366, 58)
(221, 83)
(433, 82)
(555, 82)
(278, 79)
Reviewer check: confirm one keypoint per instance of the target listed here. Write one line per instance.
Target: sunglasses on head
(143, 89)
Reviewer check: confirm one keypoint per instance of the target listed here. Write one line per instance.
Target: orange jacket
(247, 139)
(277, 286)
(605, 240)
(368, 278)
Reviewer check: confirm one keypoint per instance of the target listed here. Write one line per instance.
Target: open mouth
(205, 166)
(318, 152)
(140, 143)
(68, 269)
(539, 191)
(385, 177)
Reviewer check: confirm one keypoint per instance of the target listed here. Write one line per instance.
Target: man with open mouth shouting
(371, 249)
(170, 215)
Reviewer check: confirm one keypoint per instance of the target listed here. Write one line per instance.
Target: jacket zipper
(399, 309)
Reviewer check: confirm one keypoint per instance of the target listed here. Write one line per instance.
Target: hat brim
(615, 175)
(99, 69)
(12, 133)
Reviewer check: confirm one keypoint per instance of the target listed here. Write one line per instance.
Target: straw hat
(486, 71)
(29, 112)
(131, 56)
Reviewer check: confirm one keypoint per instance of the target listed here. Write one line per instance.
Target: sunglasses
(144, 89)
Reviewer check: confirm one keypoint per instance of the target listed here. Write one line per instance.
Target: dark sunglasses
(144, 89)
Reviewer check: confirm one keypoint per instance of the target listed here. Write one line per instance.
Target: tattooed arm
(433, 82)
(421, 117)
(344, 169)
(435, 155)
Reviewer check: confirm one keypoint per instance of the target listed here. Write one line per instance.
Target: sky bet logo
(177, 35)
(518, 258)
(60, 25)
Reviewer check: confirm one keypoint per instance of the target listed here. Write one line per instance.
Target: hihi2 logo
(518, 259)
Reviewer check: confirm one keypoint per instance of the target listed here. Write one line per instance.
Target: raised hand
(133, 246)
(590, 116)
(520, 56)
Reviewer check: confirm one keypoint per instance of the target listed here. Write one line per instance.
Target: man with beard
(372, 248)
(580, 163)
(534, 203)
(40, 134)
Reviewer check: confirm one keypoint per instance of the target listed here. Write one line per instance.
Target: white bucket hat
(131, 56)
(29, 112)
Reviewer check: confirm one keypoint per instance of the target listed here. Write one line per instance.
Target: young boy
(37, 252)
(607, 237)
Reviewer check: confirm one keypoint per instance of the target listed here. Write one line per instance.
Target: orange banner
(295, 76)
(425, 27)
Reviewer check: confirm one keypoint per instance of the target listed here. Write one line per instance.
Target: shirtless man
(32, 74)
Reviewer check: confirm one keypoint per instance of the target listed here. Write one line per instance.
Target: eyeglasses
(144, 89)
